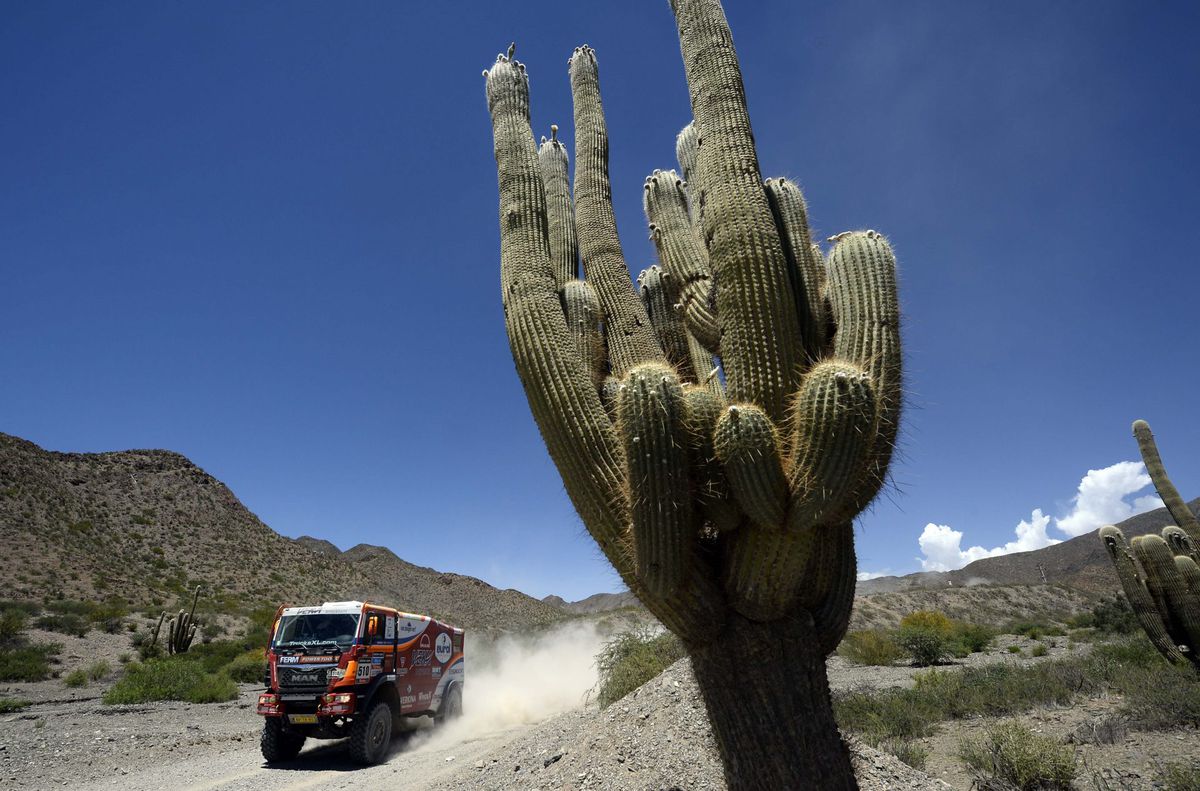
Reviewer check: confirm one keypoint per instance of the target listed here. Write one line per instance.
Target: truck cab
(351, 670)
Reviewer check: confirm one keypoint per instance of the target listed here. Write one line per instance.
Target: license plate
(302, 719)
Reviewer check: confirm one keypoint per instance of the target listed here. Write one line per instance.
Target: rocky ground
(656, 738)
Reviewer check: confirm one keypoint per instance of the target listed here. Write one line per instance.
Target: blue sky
(264, 235)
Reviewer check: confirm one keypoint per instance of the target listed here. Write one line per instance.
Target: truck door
(381, 641)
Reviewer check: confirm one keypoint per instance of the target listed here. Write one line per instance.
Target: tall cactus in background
(726, 504)
(1160, 574)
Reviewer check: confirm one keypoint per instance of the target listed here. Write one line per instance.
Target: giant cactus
(1160, 574)
(726, 503)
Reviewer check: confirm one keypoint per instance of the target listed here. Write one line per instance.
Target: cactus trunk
(754, 681)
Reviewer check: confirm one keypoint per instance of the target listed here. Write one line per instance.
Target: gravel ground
(657, 738)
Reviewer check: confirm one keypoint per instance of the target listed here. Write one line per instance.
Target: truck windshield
(328, 629)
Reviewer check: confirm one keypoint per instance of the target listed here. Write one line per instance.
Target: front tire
(278, 744)
(371, 735)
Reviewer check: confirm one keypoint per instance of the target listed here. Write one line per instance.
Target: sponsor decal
(442, 648)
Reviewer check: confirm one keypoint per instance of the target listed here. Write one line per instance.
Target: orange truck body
(331, 663)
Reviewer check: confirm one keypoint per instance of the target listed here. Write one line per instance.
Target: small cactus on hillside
(1159, 573)
(181, 629)
(726, 503)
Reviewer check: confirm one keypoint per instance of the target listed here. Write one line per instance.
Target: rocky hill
(1080, 563)
(596, 603)
(147, 525)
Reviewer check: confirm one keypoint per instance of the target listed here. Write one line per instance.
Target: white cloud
(1101, 498)
(863, 576)
(942, 546)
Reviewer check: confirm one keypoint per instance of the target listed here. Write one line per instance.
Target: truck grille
(303, 676)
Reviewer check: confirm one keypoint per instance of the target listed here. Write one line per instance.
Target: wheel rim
(378, 732)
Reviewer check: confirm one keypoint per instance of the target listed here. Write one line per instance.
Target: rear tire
(451, 707)
(278, 744)
(371, 735)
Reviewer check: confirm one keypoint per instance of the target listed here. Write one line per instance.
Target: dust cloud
(517, 680)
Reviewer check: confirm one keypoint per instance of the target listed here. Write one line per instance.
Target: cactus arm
(709, 482)
(681, 254)
(754, 299)
(1190, 572)
(862, 292)
(834, 419)
(652, 421)
(1164, 580)
(668, 324)
(582, 310)
(791, 217)
(1180, 512)
(832, 615)
(686, 150)
(1180, 542)
(630, 337)
(748, 447)
(157, 627)
(1139, 597)
(573, 423)
(564, 247)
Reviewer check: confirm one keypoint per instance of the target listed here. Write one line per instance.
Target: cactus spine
(726, 503)
(1159, 574)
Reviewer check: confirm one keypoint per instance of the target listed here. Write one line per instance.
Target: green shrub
(97, 670)
(973, 638)
(28, 662)
(1034, 630)
(1110, 615)
(928, 619)
(1012, 753)
(76, 678)
(64, 623)
(12, 622)
(1181, 777)
(870, 647)
(907, 751)
(9, 705)
(1160, 697)
(248, 668)
(174, 678)
(926, 645)
(631, 659)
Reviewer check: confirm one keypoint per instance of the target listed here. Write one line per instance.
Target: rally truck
(352, 670)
